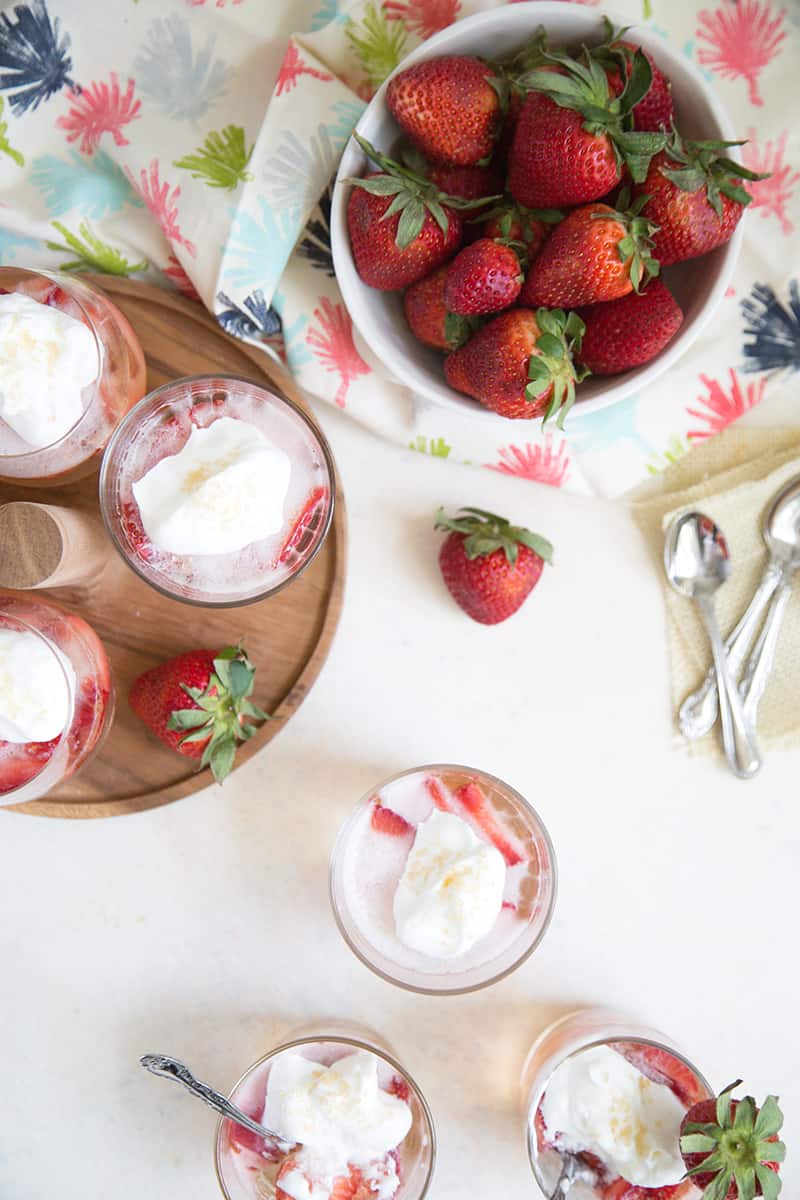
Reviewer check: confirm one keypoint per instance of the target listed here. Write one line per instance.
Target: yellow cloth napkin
(733, 479)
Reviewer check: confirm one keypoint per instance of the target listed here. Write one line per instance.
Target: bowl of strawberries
(538, 207)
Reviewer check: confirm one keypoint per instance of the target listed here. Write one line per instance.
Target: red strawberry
(385, 820)
(655, 110)
(438, 795)
(516, 223)
(305, 525)
(572, 137)
(520, 363)
(427, 315)
(135, 535)
(662, 1067)
(596, 253)
(398, 1087)
(731, 1148)
(23, 762)
(483, 278)
(694, 198)
(198, 704)
(489, 565)
(629, 332)
(469, 183)
(448, 107)
(475, 803)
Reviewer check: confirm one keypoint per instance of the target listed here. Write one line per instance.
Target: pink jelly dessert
(70, 368)
(443, 879)
(56, 698)
(216, 491)
(608, 1111)
(352, 1125)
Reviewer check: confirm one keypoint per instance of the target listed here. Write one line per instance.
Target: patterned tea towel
(192, 143)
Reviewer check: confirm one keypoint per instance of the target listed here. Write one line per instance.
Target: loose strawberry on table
(448, 107)
(627, 333)
(731, 1147)
(489, 566)
(520, 364)
(694, 197)
(199, 704)
(596, 253)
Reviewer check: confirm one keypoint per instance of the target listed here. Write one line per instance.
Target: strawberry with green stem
(655, 110)
(429, 317)
(517, 223)
(731, 1147)
(448, 107)
(220, 714)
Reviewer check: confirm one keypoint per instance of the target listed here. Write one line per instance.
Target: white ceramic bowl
(698, 285)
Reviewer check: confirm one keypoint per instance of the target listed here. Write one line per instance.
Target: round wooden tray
(287, 636)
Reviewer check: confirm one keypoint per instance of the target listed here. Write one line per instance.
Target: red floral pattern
(97, 109)
(539, 462)
(332, 343)
(162, 200)
(743, 37)
(771, 195)
(721, 407)
(292, 68)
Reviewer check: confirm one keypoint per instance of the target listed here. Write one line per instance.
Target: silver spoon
(171, 1068)
(781, 532)
(697, 562)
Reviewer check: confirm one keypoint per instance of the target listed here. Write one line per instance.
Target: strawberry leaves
(559, 339)
(636, 246)
(485, 532)
(735, 1147)
(223, 713)
(700, 164)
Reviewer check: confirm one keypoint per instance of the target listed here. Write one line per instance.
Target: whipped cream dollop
(223, 490)
(47, 358)
(341, 1117)
(598, 1101)
(451, 891)
(34, 692)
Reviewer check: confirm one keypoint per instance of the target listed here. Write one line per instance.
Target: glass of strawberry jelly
(249, 1168)
(120, 383)
(370, 856)
(29, 770)
(649, 1051)
(159, 427)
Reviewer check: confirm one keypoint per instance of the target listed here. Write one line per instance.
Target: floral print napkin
(192, 143)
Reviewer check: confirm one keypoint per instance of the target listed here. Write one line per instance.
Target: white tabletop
(203, 929)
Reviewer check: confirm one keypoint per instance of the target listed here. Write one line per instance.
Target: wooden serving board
(287, 635)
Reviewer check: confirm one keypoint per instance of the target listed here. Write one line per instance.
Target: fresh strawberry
(23, 762)
(489, 565)
(401, 226)
(520, 363)
(305, 525)
(731, 1147)
(662, 1067)
(573, 137)
(219, 713)
(428, 317)
(655, 110)
(483, 278)
(439, 795)
(448, 107)
(515, 223)
(693, 198)
(468, 183)
(629, 332)
(385, 820)
(596, 253)
(476, 804)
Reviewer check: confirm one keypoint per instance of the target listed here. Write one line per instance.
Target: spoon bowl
(782, 524)
(696, 555)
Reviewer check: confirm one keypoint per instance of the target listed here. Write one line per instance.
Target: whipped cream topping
(34, 693)
(598, 1101)
(224, 490)
(451, 891)
(47, 358)
(340, 1116)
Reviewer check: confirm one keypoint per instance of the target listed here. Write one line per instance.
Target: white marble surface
(203, 929)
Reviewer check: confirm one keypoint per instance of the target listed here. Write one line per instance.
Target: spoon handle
(763, 656)
(171, 1068)
(738, 738)
(698, 712)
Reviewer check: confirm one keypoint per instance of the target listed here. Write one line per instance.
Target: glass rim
(593, 1044)
(60, 754)
(104, 488)
(60, 278)
(343, 1040)
(458, 989)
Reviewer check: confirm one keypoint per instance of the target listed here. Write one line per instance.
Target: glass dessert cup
(653, 1055)
(247, 1167)
(368, 863)
(158, 428)
(121, 382)
(29, 770)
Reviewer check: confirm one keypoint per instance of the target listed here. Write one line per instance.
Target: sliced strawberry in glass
(21, 761)
(438, 795)
(475, 803)
(386, 820)
(305, 525)
(664, 1068)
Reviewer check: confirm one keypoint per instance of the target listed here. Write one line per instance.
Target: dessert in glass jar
(56, 696)
(216, 491)
(70, 368)
(603, 1100)
(443, 879)
(354, 1124)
